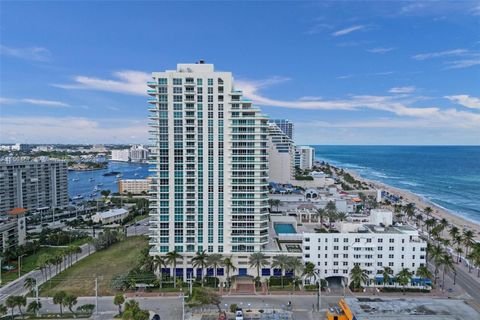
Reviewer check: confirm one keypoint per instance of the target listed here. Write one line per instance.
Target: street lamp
(20, 265)
(318, 272)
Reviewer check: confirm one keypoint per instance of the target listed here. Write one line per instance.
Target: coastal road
(465, 281)
(16, 287)
(170, 308)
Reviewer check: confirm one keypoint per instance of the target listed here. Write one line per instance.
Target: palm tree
(281, 262)
(229, 266)
(70, 301)
(404, 277)
(321, 215)
(359, 276)
(30, 283)
(331, 210)
(424, 273)
(419, 219)
(3, 310)
(410, 210)
(295, 265)
(215, 260)
(341, 216)
(34, 306)
(309, 271)
(443, 224)
(11, 303)
(447, 262)
(20, 301)
(159, 263)
(118, 300)
(468, 240)
(428, 211)
(200, 261)
(454, 232)
(386, 272)
(474, 257)
(436, 254)
(258, 260)
(429, 223)
(172, 259)
(59, 298)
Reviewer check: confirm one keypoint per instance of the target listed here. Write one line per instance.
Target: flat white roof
(112, 213)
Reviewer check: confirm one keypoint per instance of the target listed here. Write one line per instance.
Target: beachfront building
(209, 190)
(121, 155)
(281, 151)
(134, 186)
(285, 125)
(370, 246)
(33, 185)
(304, 157)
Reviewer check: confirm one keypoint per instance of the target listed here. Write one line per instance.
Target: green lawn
(79, 279)
(29, 263)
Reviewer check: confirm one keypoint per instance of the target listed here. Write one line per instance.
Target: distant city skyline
(370, 73)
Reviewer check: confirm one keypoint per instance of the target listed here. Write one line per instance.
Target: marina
(84, 185)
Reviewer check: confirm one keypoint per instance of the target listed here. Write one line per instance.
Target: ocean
(448, 176)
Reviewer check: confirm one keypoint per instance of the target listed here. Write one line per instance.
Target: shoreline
(420, 203)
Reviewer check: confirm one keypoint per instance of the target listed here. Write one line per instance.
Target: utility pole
(1, 270)
(36, 295)
(96, 295)
(20, 265)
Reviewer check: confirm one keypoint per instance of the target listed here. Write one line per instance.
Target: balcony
(151, 92)
(151, 84)
(152, 100)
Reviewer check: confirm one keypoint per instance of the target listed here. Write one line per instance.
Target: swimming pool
(284, 228)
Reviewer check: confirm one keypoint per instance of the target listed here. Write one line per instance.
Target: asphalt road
(170, 308)
(139, 228)
(17, 287)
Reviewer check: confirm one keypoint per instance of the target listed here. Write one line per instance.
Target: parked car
(239, 314)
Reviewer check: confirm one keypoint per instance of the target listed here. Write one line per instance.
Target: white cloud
(310, 98)
(345, 76)
(465, 100)
(128, 82)
(33, 53)
(397, 104)
(345, 31)
(380, 50)
(39, 102)
(404, 90)
(464, 63)
(71, 130)
(447, 53)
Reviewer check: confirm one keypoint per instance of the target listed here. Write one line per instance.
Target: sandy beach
(421, 203)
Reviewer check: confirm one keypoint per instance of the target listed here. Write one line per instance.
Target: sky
(359, 72)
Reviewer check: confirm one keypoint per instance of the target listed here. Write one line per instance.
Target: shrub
(233, 307)
(87, 308)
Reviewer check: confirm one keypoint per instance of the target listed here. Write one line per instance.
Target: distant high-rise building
(33, 185)
(121, 155)
(285, 125)
(209, 189)
(281, 151)
(138, 153)
(304, 157)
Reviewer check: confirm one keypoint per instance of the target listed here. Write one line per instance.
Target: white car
(239, 315)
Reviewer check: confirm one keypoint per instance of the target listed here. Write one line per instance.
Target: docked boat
(111, 173)
(91, 179)
(77, 197)
(75, 179)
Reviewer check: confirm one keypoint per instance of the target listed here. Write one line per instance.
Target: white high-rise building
(209, 190)
(121, 155)
(304, 157)
(138, 153)
(281, 151)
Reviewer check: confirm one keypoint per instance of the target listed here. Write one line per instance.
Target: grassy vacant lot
(80, 278)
